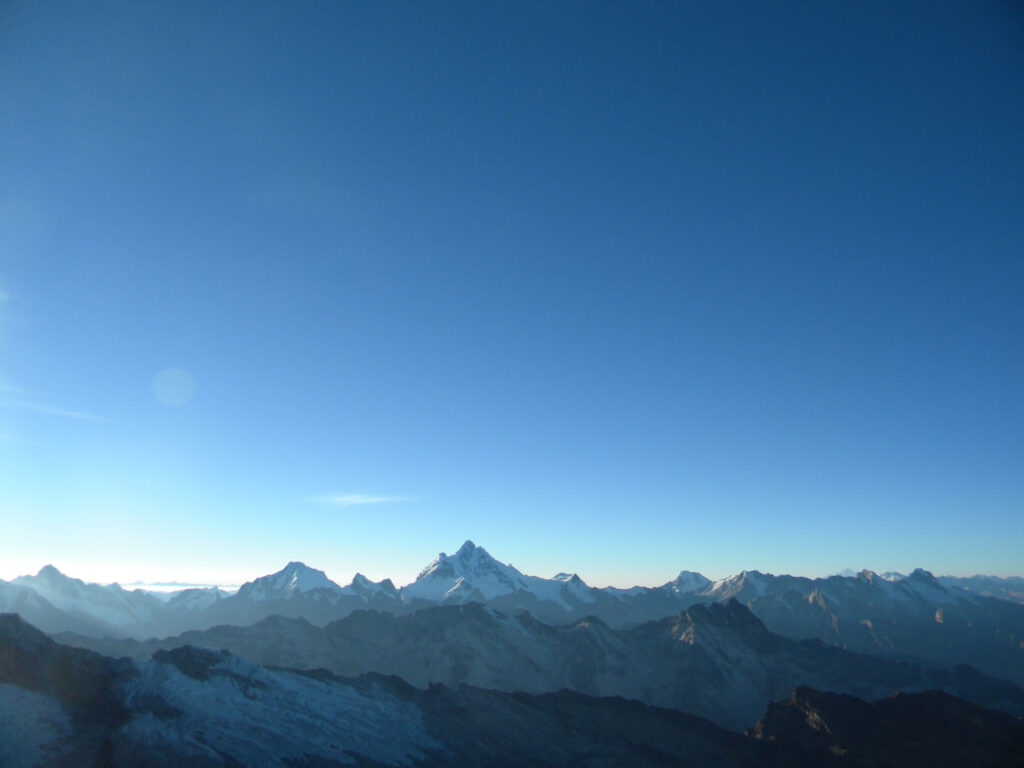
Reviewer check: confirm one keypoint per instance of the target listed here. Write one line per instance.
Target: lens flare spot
(174, 387)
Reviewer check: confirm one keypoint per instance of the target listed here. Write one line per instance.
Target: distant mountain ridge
(916, 616)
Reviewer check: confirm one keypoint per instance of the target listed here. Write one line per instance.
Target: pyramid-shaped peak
(469, 570)
(49, 576)
(468, 548)
(690, 581)
(296, 577)
(472, 555)
(50, 580)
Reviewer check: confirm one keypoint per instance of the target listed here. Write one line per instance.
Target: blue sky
(615, 288)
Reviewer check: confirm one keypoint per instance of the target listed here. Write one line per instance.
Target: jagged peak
(362, 584)
(466, 554)
(296, 577)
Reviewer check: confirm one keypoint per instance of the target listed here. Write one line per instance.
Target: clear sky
(614, 288)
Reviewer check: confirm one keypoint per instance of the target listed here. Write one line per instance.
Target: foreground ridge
(718, 660)
(198, 707)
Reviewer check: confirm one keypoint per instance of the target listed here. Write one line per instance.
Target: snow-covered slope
(457, 578)
(472, 574)
(226, 705)
(292, 580)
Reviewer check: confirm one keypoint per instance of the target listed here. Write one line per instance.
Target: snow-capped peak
(364, 588)
(689, 581)
(471, 569)
(294, 579)
(744, 583)
(472, 574)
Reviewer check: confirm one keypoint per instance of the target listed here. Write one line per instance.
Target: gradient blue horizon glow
(613, 288)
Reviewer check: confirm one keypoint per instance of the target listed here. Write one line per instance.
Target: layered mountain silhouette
(718, 661)
(936, 621)
(196, 707)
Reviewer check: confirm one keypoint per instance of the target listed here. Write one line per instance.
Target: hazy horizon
(614, 288)
(342, 577)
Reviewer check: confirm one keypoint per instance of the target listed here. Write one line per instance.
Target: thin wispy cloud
(17, 399)
(49, 410)
(357, 499)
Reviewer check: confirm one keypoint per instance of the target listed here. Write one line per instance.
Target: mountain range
(717, 661)
(201, 708)
(935, 621)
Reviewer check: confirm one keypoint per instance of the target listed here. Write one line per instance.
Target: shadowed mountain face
(929, 729)
(195, 707)
(717, 661)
